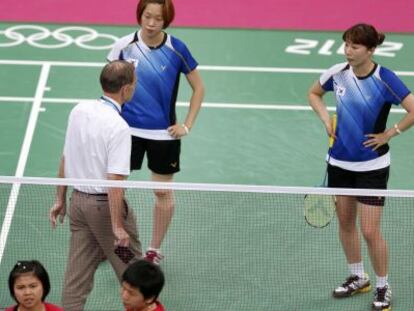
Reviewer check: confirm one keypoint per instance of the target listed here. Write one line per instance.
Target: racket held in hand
(319, 209)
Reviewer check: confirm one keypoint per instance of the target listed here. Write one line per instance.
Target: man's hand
(58, 211)
(121, 237)
(117, 207)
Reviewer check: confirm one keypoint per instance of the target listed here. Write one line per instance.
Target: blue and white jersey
(152, 108)
(362, 105)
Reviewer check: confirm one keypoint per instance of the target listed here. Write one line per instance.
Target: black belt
(91, 194)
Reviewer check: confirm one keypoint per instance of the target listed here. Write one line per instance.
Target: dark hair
(32, 267)
(115, 75)
(145, 276)
(364, 34)
(168, 11)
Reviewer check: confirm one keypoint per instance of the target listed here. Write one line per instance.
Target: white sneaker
(353, 285)
(382, 299)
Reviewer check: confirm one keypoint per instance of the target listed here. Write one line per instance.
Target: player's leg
(370, 217)
(358, 281)
(140, 146)
(163, 161)
(378, 252)
(163, 211)
(346, 210)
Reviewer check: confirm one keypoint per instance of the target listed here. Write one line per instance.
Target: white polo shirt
(98, 142)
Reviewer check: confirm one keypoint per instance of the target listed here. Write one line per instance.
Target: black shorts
(376, 179)
(163, 155)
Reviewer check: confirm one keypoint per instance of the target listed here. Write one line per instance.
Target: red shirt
(159, 307)
(48, 307)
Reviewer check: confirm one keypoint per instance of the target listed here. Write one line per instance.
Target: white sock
(357, 269)
(382, 281)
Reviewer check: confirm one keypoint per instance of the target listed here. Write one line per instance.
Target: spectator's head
(118, 77)
(29, 283)
(165, 7)
(142, 283)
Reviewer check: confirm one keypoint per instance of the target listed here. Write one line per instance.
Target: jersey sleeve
(188, 61)
(116, 51)
(396, 89)
(326, 78)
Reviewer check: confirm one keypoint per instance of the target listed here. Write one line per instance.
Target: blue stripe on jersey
(158, 70)
(397, 89)
(363, 106)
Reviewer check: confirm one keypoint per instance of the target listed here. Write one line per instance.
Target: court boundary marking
(24, 153)
(200, 67)
(276, 106)
(217, 105)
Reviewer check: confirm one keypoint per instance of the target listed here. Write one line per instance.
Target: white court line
(200, 67)
(278, 106)
(24, 152)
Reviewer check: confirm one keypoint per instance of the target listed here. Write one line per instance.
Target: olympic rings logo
(59, 38)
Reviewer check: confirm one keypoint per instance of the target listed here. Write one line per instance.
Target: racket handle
(333, 122)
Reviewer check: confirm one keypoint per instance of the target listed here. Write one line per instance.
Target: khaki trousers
(91, 242)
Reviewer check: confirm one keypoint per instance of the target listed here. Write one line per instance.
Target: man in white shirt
(97, 146)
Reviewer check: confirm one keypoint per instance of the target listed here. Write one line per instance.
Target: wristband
(185, 128)
(397, 129)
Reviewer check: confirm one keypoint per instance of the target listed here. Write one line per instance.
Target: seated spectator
(142, 282)
(29, 286)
